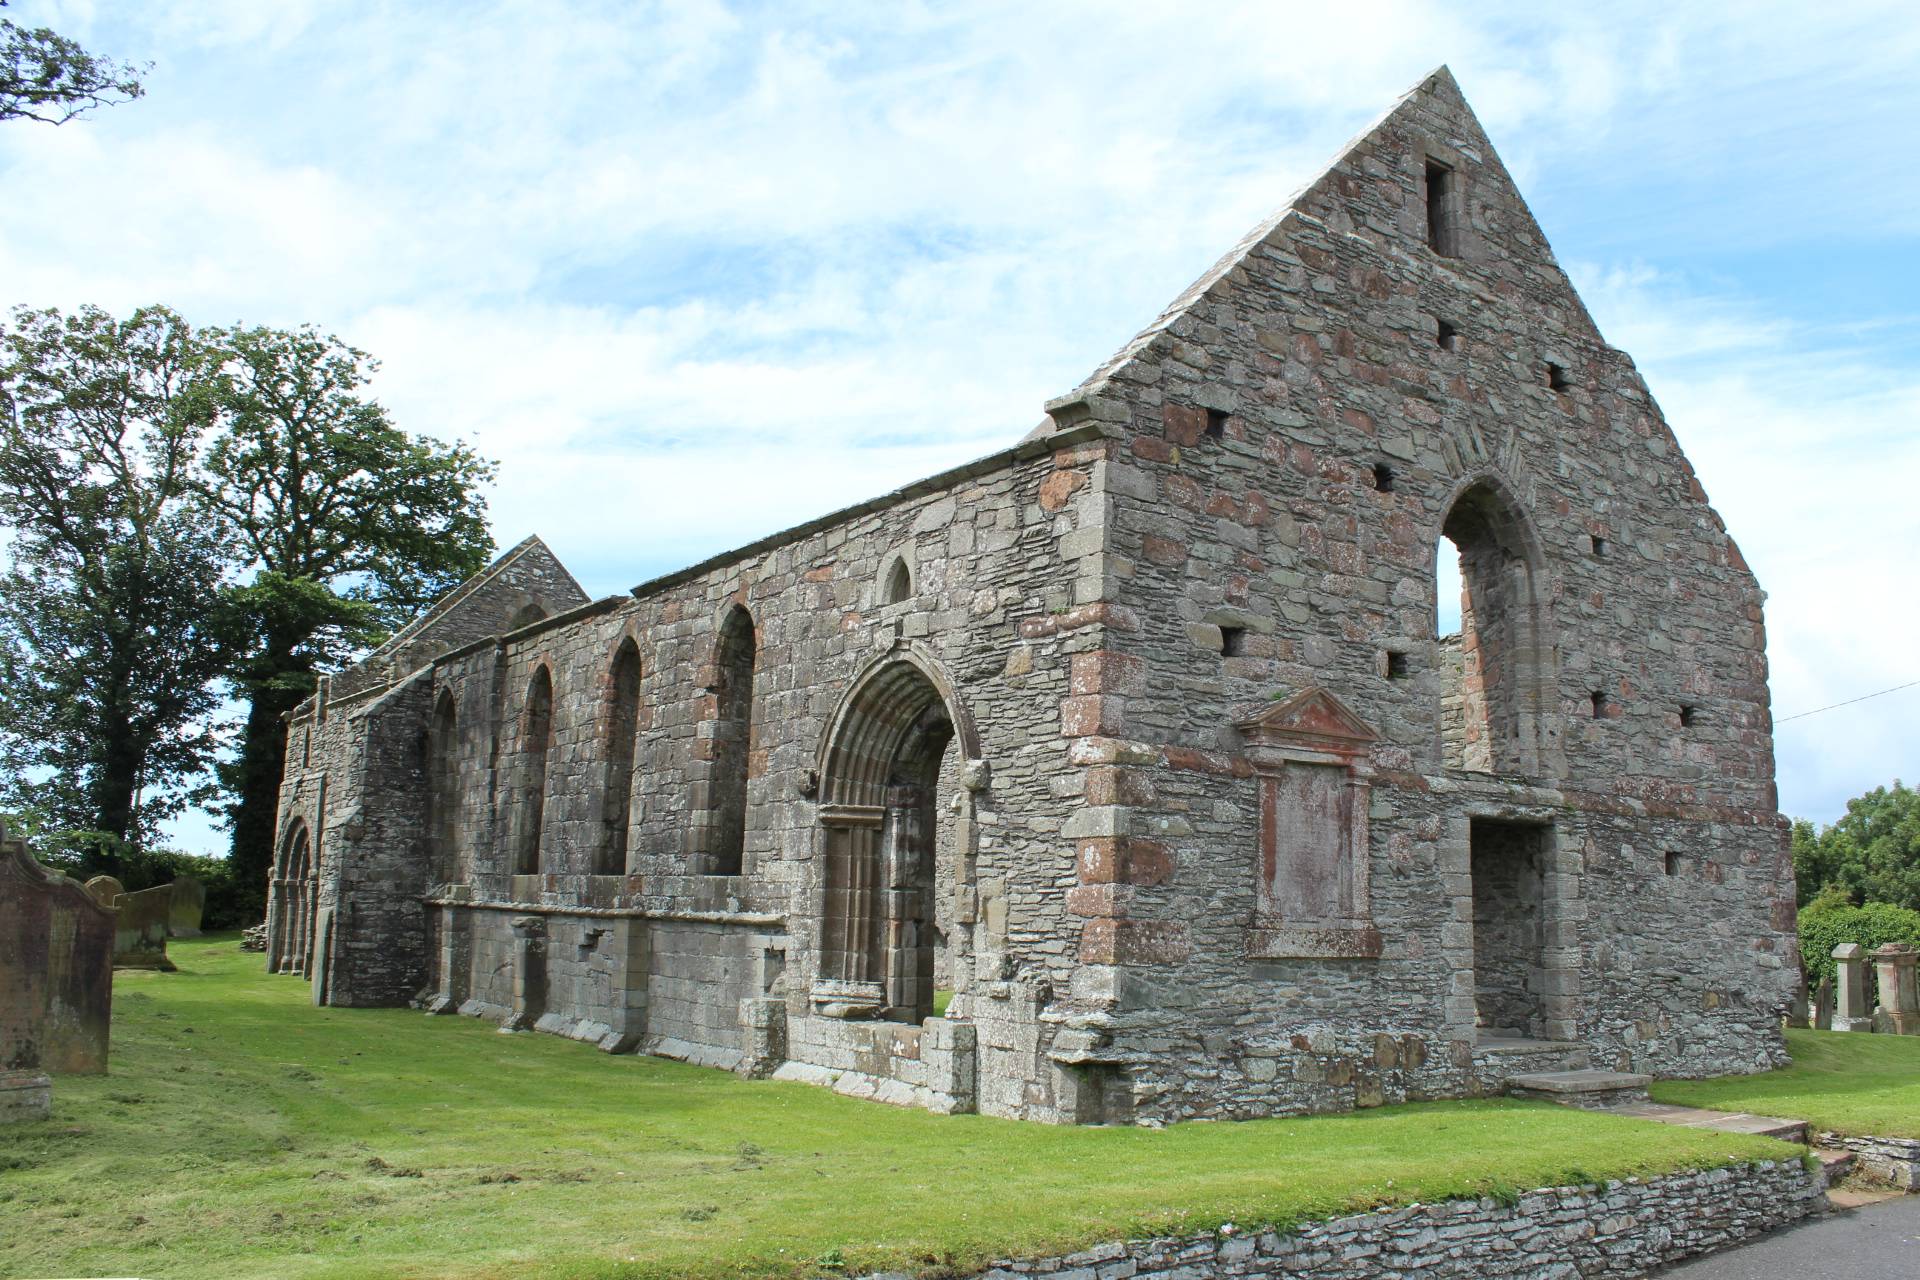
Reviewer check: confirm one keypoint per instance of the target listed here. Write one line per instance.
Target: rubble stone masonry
(1135, 744)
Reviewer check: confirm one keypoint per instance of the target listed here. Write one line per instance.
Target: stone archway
(880, 819)
(293, 903)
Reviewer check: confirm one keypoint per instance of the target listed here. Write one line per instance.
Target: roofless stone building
(1136, 738)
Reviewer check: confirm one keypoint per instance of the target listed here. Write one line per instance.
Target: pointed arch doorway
(884, 829)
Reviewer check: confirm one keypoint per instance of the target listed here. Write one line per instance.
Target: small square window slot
(1233, 642)
(1383, 477)
(1600, 705)
(1217, 423)
(1557, 377)
(1689, 716)
(1599, 547)
(1675, 863)
(1447, 337)
(1397, 666)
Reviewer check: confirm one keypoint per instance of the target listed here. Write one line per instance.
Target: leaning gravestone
(1823, 1005)
(189, 901)
(56, 981)
(140, 933)
(105, 889)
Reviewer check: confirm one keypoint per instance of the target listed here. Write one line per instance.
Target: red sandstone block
(1057, 488)
(1159, 550)
(1101, 901)
(1153, 449)
(1104, 671)
(1122, 860)
(1184, 423)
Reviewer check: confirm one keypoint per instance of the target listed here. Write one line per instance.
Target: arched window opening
(536, 736)
(1491, 651)
(732, 744)
(899, 585)
(443, 791)
(623, 722)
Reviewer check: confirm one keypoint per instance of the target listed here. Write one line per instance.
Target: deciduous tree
(112, 625)
(351, 524)
(46, 77)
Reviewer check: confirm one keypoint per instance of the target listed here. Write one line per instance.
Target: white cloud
(751, 263)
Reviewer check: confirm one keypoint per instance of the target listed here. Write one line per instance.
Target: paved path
(1878, 1242)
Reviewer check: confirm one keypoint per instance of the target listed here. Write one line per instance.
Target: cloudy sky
(694, 271)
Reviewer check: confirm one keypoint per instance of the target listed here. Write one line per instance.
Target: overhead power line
(1800, 715)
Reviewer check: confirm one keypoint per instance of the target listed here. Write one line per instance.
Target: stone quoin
(1134, 748)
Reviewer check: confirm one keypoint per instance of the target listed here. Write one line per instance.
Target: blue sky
(694, 272)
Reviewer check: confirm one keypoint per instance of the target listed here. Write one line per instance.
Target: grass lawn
(1841, 1082)
(243, 1132)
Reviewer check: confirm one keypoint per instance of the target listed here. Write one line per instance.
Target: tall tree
(46, 77)
(352, 524)
(112, 627)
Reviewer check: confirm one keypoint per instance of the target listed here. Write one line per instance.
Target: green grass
(244, 1132)
(1840, 1082)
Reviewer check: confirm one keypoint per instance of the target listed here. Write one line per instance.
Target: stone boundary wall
(1897, 1160)
(1622, 1229)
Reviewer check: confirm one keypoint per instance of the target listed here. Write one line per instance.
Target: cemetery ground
(1840, 1082)
(244, 1132)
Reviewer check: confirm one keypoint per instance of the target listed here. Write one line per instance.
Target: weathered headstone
(140, 934)
(105, 889)
(189, 902)
(56, 981)
(1797, 1008)
(1850, 1008)
(1899, 1011)
(1823, 1005)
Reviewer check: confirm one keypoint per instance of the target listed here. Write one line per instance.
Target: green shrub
(1830, 919)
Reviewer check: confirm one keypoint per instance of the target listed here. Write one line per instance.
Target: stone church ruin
(1122, 776)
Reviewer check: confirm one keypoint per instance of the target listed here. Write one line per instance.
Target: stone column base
(24, 1098)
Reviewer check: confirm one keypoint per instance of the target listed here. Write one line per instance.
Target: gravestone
(1899, 1011)
(1823, 1005)
(1850, 1008)
(140, 933)
(189, 902)
(105, 889)
(1797, 1009)
(56, 981)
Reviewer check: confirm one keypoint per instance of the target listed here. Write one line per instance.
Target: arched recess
(293, 901)
(443, 791)
(879, 768)
(622, 723)
(896, 581)
(536, 737)
(735, 655)
(1498, 672)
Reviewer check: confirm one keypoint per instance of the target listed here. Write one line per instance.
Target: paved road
(1878, 1242)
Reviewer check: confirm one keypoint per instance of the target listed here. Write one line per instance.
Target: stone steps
(1588, 1089)
(1837, 1163)
(1722, 1121)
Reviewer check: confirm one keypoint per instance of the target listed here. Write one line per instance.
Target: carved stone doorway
(1510, 972)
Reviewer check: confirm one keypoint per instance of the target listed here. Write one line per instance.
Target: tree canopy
(45, 76)
(1872, 853)
(190, 512)
(113, 626)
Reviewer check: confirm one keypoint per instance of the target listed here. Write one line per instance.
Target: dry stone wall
(1623, 1229)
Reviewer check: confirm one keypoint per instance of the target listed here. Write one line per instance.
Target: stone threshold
(1619, 1229)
